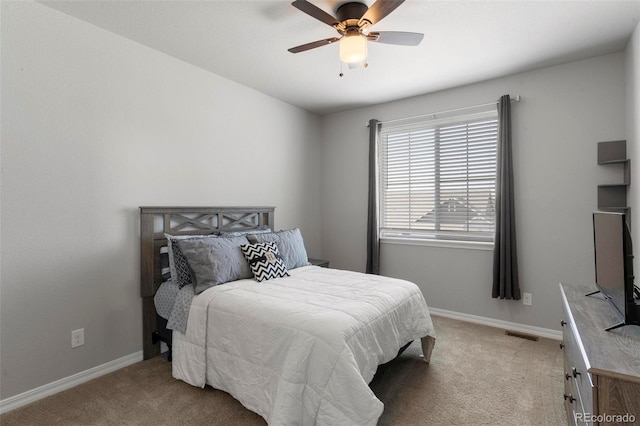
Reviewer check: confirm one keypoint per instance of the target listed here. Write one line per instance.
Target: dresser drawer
(572, 403)
(576, 368)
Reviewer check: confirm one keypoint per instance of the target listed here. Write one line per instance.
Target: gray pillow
(215, 260)
(178, 267)
(259, 230)
(290, 244)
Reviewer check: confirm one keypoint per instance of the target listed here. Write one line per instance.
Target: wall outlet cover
(77, 338)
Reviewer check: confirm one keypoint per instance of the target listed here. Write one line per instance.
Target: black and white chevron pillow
(265, 260)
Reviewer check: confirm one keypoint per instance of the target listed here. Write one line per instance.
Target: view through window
(437, 178)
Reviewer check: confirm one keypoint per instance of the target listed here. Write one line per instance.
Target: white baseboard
(33, 395)
(514, 326)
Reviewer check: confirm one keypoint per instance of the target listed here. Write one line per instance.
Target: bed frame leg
(149, 345)
(427, 347)
(156, 337)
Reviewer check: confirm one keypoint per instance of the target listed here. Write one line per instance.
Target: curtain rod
(515, 98)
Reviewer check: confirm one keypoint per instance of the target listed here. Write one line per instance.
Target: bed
(299, 347)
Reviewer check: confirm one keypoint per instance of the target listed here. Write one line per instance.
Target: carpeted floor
(478, 376)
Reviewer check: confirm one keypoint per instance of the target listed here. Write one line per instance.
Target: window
(437, 178)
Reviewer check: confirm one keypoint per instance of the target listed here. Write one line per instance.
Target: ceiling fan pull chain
(366, 55)
(341, 73)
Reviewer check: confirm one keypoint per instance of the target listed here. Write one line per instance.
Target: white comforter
(301, 350)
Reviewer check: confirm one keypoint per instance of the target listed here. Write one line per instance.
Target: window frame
(450, 239)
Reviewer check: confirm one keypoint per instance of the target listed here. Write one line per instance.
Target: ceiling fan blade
(396, 37)
(377, 11)
(313, 44)
(315, 12)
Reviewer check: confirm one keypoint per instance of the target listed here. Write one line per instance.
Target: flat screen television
(614, 265)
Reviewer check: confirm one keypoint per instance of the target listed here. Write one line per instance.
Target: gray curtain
(373, 237)
(505, 259)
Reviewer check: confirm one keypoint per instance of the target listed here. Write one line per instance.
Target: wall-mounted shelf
(613, 197)
(612, 152)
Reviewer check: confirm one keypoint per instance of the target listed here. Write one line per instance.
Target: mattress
(301, 349)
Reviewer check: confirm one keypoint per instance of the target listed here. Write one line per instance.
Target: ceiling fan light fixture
(353, 49)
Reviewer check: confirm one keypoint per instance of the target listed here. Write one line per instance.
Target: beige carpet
(478, 376)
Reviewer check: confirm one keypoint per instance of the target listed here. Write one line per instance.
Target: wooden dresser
(601, 368)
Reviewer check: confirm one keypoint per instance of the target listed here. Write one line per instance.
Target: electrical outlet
(77, 338)
(526, 299)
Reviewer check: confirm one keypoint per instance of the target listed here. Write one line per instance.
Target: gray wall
(94, 126)
(565, 110)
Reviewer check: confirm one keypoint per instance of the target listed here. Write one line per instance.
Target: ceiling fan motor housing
(351, 11)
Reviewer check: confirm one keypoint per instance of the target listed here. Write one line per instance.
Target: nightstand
(319, 262)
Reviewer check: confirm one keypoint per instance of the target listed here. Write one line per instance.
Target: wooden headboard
(155, 222)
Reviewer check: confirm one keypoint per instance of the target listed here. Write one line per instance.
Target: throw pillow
(265, 261)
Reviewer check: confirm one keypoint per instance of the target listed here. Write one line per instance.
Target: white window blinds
(437, 178)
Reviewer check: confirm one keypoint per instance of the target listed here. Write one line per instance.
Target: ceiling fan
(352, 21)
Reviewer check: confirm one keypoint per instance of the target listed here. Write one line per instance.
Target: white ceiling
(465, 42)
